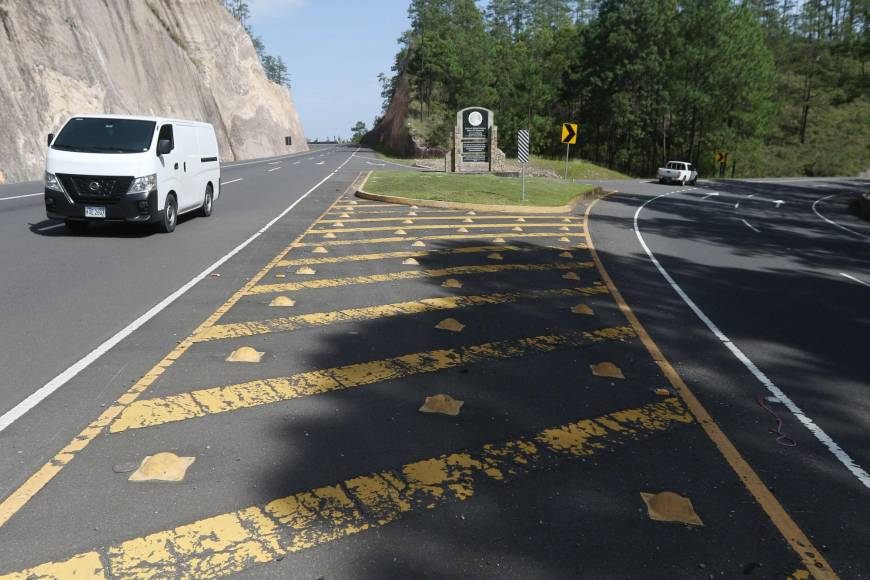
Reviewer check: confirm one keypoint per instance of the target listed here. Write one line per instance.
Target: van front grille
(95, 188)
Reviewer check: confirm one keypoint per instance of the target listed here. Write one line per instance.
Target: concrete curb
(586, 196)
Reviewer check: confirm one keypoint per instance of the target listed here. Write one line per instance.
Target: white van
(133, 169)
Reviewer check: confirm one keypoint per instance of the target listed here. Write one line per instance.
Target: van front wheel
(208, 202)
(169, 216)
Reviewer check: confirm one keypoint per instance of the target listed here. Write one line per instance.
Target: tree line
(780, 85)
(274, 66)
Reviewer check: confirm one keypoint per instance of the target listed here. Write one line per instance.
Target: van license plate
(95, 212)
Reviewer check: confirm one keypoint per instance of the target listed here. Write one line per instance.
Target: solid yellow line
(795, 537)
(445, 227)
(183, 406)
(290, 323)
(233, 542)
(19, 498)
(414, 275)
(453, 217)
(390, 255)
(507, 235)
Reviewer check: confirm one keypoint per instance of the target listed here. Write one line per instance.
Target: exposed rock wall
(173, 58)
(392, 134)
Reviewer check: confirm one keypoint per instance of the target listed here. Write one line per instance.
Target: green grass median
(480, 189)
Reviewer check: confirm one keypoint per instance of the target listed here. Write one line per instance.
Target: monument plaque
(475, 124)
(475, 147)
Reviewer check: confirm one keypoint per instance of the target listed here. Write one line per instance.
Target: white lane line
(273, 162)
(832, 222)
(273, 169)
(320, 162)
(817, 431)
(231, 181)
(710, 194)
(751, 227)
(394, 163)
(60, 380)
(737, 205)
(296, 162)
(21, 196)
(380, 164)
(46, 228)
(854, 279)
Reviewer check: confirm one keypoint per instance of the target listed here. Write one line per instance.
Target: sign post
(722, 160)
(523, 154)
(569, 137)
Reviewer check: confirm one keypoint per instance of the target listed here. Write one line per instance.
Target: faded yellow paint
(399, 239)
(24, 493)
(87, 566)
(413, 275)
(151, 412)
(442, 227)
(449, 217)
(405, 254)
(232, 542)
(291, 323)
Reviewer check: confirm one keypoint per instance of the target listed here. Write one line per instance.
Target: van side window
(166, 133)
(691, 167)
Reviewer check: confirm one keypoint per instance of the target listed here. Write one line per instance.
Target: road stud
(606, 369)
(282, 301)
(444, 404)
(450, 324)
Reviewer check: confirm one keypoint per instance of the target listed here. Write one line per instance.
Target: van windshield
(93, 135)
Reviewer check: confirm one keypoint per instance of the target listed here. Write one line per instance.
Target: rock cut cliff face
(175, 58)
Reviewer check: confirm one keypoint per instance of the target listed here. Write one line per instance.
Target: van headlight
(144, 184)
(53, 183)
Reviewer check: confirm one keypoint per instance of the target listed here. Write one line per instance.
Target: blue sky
(334, 50)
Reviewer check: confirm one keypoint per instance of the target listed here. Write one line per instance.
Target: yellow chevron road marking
(453, 217)
(159, 411)
(235, 541)
(392, 240)
(414, 275)
(390, 255)
(439, 227)
(290, 323)
(16, 500)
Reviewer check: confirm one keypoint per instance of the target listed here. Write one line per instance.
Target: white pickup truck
(678, 172)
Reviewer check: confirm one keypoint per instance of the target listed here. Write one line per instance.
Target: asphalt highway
(313, 460)
(64, 294)
(781, 269)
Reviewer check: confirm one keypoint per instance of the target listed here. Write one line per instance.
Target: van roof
(157, 120)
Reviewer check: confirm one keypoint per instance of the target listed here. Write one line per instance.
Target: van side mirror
(50, 138)
(164, 147)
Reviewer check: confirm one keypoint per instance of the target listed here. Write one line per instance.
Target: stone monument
(475, 142)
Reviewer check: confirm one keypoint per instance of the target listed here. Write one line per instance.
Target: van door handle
(176, 165)
(185, 166)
